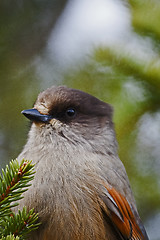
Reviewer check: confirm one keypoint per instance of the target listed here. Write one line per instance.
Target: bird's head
(71, 113)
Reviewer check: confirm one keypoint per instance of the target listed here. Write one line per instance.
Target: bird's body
(80, 190)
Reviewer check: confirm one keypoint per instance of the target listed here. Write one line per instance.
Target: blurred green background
(123, 77)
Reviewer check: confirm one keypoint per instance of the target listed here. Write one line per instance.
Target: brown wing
(122, 216)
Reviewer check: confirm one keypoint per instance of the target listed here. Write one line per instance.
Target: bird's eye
(70, 112)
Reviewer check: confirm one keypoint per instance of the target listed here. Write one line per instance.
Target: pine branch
(13, 182)
(20, 224)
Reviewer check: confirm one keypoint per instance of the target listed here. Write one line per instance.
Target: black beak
(35, 116)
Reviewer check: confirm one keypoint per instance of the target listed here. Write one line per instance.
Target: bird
(81, 190)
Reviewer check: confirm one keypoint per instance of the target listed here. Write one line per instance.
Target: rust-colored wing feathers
(122, 216)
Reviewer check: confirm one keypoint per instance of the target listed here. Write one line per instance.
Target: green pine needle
(10, 237)
(19, 224)
(14, 180)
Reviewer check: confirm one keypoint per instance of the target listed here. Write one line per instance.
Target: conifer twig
(13, 182)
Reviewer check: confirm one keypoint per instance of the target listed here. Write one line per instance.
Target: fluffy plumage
(81, 189)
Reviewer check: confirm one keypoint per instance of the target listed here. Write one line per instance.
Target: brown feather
(127, 225)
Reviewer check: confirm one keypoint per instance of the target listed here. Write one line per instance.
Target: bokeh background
(108, 48)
